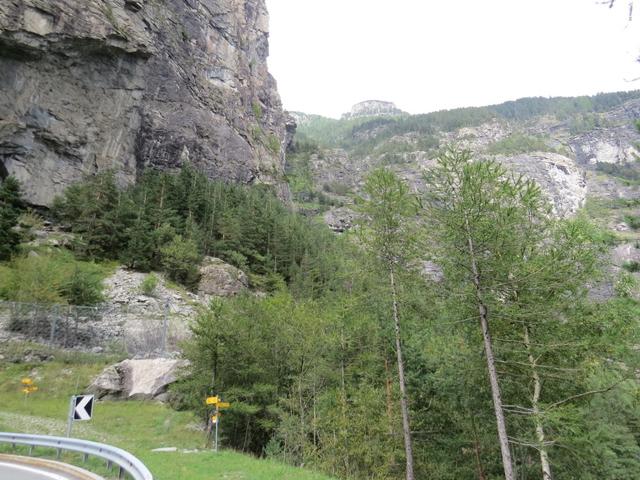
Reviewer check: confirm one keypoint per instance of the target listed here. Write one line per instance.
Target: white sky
(427, 55)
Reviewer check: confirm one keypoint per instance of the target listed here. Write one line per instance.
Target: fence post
(165, 327)
(52, 335)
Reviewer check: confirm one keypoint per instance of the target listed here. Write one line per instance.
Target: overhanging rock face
(89, 85)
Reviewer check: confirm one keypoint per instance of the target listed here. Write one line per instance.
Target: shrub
(626, 286)
(631, 266)
(149, 285)
(337, 188)
(273, 143)
(180, 259)
(52, 278)
(633, 221)
(519, 143)
(83, 286)
(257, 110)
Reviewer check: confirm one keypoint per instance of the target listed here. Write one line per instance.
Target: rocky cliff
(373, 108)
(87, 85)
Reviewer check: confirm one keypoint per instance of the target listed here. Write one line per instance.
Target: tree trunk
(476, 449)
(491, 365)
(406, 429)
(535, 406)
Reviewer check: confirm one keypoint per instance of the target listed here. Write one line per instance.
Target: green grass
(135, 426)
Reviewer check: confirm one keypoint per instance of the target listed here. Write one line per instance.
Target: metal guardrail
(113, 455)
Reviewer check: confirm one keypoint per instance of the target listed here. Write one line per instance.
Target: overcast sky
(427, 55)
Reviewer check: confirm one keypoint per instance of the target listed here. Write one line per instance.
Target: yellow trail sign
(26, 381)
(214, 419)
(212, 400)
(224, 404)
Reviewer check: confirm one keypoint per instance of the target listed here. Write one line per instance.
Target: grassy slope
(136, 426)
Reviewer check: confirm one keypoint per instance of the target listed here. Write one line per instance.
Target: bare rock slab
(143, 379)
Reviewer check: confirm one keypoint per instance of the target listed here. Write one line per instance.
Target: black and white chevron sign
(83, 407)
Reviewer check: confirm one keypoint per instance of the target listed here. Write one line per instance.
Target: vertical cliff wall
(87, 85)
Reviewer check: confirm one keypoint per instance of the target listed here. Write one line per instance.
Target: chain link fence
(136, 330)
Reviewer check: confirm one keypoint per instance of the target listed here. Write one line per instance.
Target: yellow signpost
(28, 387)
(215, 416)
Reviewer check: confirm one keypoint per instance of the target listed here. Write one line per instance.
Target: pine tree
(11, 205)
(387, 237)
(476, 212)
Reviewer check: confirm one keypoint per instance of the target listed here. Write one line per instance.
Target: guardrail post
(85, 456)
(121, 473)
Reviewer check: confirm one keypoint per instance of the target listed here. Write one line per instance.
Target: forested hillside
(462, 328)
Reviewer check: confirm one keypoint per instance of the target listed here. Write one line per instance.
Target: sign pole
(72, 404)
(217, 422)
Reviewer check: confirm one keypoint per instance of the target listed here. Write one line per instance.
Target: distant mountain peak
(373, 108)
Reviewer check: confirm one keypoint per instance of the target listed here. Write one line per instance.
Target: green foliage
(626, 286)
(627, 172)
(586, 122)
(631, 266)
(168, 221)
(633, 221)
(499, 248)
(83, 286)
(337, 188)
(273, 143)
(387, 211)
(149, 284)
(91, 208)
(52, 277)
(11, 206)
(136, 426)
(519, 143)
(257, 110)
(352, 132)
(180, 258)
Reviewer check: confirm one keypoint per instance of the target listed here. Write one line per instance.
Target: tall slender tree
(387, 211)
(480, 217)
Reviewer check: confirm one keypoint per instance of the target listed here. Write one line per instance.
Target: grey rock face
(612, 145)
(88, 85)
(373, 108)
(561, 180)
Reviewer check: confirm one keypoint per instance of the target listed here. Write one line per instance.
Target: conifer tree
(388, 238)
(11, 205)
(475, 211)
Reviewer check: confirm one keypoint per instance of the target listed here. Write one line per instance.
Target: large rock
(220, 279)
(340, 219)
(88, 85)
(373, 108)
(137, 379)
(562, 181)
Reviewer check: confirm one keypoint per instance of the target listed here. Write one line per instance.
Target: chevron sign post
(80, 409)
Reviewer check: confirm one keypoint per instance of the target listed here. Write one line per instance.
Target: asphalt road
(13, 471)
(15, 468)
